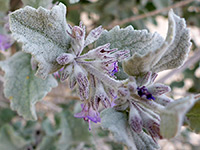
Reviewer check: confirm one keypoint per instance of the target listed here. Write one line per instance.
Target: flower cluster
(140, 96)
(87, 70)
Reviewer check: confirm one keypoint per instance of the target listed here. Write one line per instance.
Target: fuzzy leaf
(9, 140)
(193, 117)
(73, 131)
(117, 123)
(137, 41)
(173, 114)
(37, 3)
(141, 63)
(177, 52)
(22, 87)
(43, 34)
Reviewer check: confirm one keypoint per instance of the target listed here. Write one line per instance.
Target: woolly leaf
(117, 123)
(22, 87)
(173, 114)
(10, 140)
(137, 41)
(193, 117)
(177, 52)
(140, 63)
(43, 34)
(37, 3)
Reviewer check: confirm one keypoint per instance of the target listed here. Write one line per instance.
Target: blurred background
(56, 127)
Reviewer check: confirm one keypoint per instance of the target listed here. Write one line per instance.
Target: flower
(5, 42)
(92, 71)
(93, 64)
(88, 114)
(143, 92)
(143, 99)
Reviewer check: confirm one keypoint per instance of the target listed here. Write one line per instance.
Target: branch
(149, 14)
(192, 60)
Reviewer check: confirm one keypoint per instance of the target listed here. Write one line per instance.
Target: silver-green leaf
(22, 87)
(173, 114)
(43, 33)
(10, 140)
(178, 50)
(137, 41)
(141, 63)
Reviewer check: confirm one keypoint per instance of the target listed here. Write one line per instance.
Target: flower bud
(132, 86)
(151, 124)
(66, 72)
(65, 58)
(78, 38)
(82, 80)
(145, 79)
(135, 120)
(163, 100)
(123, 92)
(158, 89)
(93, 35)
(101, 96)
(72, 82)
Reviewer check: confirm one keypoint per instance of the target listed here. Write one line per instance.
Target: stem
(149, 14)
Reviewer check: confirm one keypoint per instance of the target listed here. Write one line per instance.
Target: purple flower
(88, 114)
(113, 68)
(5, 42)
(143, 92)
(57, 74)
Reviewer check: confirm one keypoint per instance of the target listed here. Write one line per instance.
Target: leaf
(10, 140)
(6, 115)
(48, 143)
(117, 123)
(173, 114)
(137, 41)
(141, 63)
(37, 3)
(22, 87)
(177, 52)
(73, 1)
(43, 34)
(193, 117)
(73, 131)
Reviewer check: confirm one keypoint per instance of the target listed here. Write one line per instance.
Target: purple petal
(5, 42)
